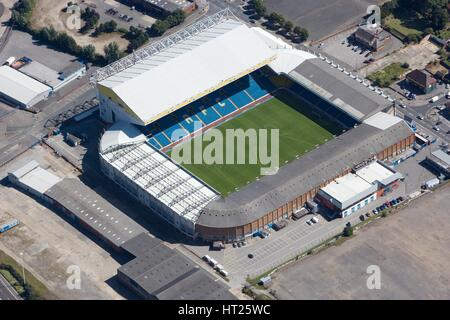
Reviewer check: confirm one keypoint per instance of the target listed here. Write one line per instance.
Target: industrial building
(357, 189)
(440, 161)
(158, 272)
(21, 90)
(237, 64)
(154, 271)
(52, 78)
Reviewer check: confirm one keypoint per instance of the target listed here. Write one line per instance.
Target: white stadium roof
(19, 86)
(189, 69)
(153, 172)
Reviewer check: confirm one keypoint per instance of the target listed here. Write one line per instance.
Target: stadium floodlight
(163, 44)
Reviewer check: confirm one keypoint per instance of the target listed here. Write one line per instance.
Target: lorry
(279, 225)
(299, 213)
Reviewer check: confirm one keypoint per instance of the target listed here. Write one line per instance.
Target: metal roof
(166, 181)
(348, 189)
(189, 69)
(347, 92)
(166, 274)
(35, 177)
(19, 86)
(301, 175)
(95, 211)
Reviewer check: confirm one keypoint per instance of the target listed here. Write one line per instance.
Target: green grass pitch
(300, 131)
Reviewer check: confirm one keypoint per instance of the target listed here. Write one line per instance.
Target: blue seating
(241, 99)
(154, 143)
(208, 109)
(170, 124)
(163, 141)
(221, 103)
(205, 112)
(187, 119)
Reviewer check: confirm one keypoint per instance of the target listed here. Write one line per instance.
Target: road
(426, 123)
(6, 291)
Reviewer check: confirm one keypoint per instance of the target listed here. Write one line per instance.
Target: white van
(434, 99)
(224, 273)
(212, 262)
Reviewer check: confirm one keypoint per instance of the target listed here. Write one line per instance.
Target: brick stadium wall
(229, 234)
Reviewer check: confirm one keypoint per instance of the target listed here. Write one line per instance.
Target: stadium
(221, 73)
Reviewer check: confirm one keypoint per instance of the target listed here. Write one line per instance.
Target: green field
(393, 72)
(300, 130)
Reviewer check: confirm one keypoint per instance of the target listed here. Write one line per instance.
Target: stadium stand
(169, 86)
(212, 108)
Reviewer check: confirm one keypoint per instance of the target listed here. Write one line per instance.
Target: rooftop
(95, 211)
(377, 172)
(210, 59)
(19, 86)
(349, 189)
(333, 84)
(167, 274)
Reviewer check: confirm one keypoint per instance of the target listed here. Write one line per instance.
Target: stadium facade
(212, 71)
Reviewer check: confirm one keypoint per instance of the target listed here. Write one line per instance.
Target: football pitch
(300, 131)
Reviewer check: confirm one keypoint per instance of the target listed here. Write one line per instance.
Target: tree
(301, 33)
(159, 28)
(260, 8)
(112, 52)
(276, 19)
(439, 19)
(288, 25)
(348, 231)
(88, 52)
(107, 27)
(90, 17)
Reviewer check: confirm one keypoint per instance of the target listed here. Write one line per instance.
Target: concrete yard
(47, 244)
(410, 247)
(321, 17)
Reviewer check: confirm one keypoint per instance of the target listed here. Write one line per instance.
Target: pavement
(321, 17)
(7, 292)
(283, 245)
(410, 249)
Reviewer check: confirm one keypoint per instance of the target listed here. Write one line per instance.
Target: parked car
(436, 128)
(420, 116)
(374, 211)
(234, 244)
(309, 222)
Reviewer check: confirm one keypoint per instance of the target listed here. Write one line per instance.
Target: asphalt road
(426, 123)
(6, 291)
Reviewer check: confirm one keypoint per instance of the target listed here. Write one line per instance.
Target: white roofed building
(21, 90)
